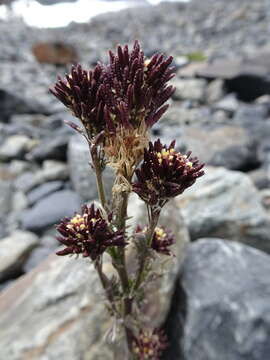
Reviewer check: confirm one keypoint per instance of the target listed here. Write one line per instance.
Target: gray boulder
(224, 305)
(51, 210)
(226, 204)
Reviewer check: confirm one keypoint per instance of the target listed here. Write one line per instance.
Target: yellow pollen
(159, 155)
(189, 164)
(172, 151)
(82, 226)
(160, 233)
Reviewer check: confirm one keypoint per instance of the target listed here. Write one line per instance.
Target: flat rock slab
(226, 204)
(14, 251)
(227, 308)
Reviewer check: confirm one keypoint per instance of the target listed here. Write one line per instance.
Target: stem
(149, 236)
(99, 180)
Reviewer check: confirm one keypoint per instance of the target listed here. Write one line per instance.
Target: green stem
(99, 180)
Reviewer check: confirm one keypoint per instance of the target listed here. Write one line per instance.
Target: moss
(196, 56)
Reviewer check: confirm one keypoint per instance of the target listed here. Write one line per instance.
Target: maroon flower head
(129, 92)
(137, 88)
(162, 239)
(83, 92)
(165, 173)
(88, 234)
(149, 345)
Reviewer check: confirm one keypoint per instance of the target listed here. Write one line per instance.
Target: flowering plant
(117, 104)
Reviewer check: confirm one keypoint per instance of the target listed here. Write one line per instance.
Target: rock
(54, 148)
(50, 210)
(249, 79)
(226, 204)
(189, 89)
(214, 91)
(226, 305)
(265, 197)
(60, 306)
(57, 53)
(17, 167)
(82, 176)
(43, 190)
(13, 104)
(14, 250)
(37, 256)
(229, 104)
(191, 69)
(5, 197)
(14, 147)
(52, 170)
(36, 120)
(19, 201)
(260, 178)
(228, 146)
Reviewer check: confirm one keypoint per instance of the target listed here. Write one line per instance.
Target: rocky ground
(220, 111)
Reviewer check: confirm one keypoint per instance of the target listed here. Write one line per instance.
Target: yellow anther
(82, 226)
(159, 155)
(69, 226)
(172, 151)
(189, 164)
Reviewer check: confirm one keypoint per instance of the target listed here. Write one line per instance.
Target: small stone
(43, 190)
(50, 210)
(14, 250)
(57, 53)
(5, 197)
(214, 91)
(52, 170)
(17, 167)
(229, 104)
(19, 201)
(189, 89)
(261, 178)
(14, 147)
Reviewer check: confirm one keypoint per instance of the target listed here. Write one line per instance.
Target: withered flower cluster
(162, 239)
(88, 234)
(165, 173)
(149, 345)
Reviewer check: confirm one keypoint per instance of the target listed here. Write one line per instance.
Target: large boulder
(57, 311)
(226, 204)
(223, 311)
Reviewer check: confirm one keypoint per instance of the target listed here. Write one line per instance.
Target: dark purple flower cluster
(162, 239)
(128, 92)
(165, 173)
(82, 92)
(149, 345)
(88, 234)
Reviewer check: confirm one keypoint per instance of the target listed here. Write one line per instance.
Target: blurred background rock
(220, 111)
